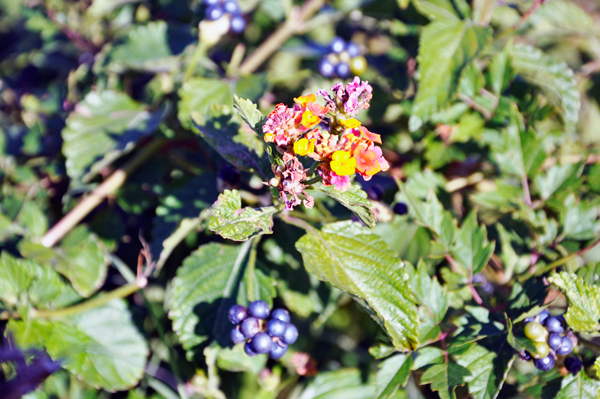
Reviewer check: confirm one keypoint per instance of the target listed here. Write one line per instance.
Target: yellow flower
(304, 146)
(309, 119)
(350, 123)
(303, 100)
(269, 137)
(342, 164)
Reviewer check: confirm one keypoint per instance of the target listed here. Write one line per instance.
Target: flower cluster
(329, 134)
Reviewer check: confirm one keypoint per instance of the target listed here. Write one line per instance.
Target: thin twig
(526, 194)
(473, 104)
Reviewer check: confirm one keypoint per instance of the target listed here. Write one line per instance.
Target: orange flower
(342, 164)
(303, 100)
(367, 159)
(310, 120)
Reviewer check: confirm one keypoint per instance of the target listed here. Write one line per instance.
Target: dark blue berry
(290, 335)
(214, 12)
(343, 70)
(566, 347)
(238, 24)
(562, 320)
(337, 45)
(231, 7)
(400, 208)
(276, 328)
(543, 315)
(353, 49)
(259, 309)
(248, 349)
(545, 363)
(281, 314)
(326, 68)
(527, 320)
(237, 336)
(573, 364)
(553, 325)
(237, 313)
(554, 341)
(375, 192)
(262, 343)
(250, 327)
(278, 350)
(526, 356)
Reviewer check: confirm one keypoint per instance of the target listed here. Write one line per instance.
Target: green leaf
(443, 9)
(564, 18)
(342, 383)
(580, 387)
(411, 241)
(210, 281)
(472, 250)
(584, 301)
(444, 378)
(393, 374)
(590, 274)
(359, 262)
(103, 126)
(354, 199)
(33, 219)
(235, 359)
(100, 8)
(80, 258)
(100, 346)
(552, 77)
(526, 300)
(445, 48)
(558, 179)
(500, 73)
(250, 114)
(597, 367)
(579, 219)
(198, 94)
(229, 220)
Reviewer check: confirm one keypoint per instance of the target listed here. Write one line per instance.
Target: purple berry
(526, 356)
(554, 341)
(237, 336)
(527, 320)
(343, 70)
(231, 7)
(250, 327)
(259, 309)
(214, 12)
(262, 343)
(543, 315)
(545, 363)
(237, 313)
(238, 24)
(553, 325)
(400, 208)
(566, 347)
(353, 49)
(248, 349)
(290, 335)
(326, 68)
(375, 192)
(337, 45)
(210, 2)
(278, 350)
(281, 314)
(276, 328)
(573, 364)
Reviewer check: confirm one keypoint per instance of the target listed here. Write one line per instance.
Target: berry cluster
(263, 334)
(547, 333)
(343, 58)
(228, 9)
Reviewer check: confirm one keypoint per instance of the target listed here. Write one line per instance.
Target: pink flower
(279, 125)
(354, 97)
(341, 183)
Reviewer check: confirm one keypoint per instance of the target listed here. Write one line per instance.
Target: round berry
(375, 192)
(214, 12)
(262, 343)
(534, 331)
(237, 336)
(345, 57)
(542, 350)
(248, 349)
(259, 309)
(326, 68)
(237, 313)
(566, 347)
(278, 350)
(290, 335)
(238, 24)
(281, 314)
(353, 49)
(553, 325)
(554, 341)
(231, 7)
(210, 2)
(358, 65)
(276, 328)
(545, 363)
(250, 327)
(543, 315)
(343, 70)
(573, 364)
(337, 45)
(400, 208)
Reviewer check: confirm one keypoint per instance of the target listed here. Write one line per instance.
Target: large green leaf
(355, 260)
(444, 378)
(354, 199)
(394, 373)
(80, 257)
(209, 282)
(443, 9)
(198, 94)
(342, 383)
(579, 219)
(103, 126)
(583, 313)
(100, 346)
(558, 179)
(580, 387)
(590, 274)
(446, 47)
(411, 241)
(472, 250)
(250, 114)
(554, 79)
(229, 220)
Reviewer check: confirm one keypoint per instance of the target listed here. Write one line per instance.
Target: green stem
(251, 266)
(313, 180)
(588, 343)
(198, 54)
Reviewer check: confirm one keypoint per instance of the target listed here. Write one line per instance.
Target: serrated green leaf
(597, 367)
(210, 281)
(557, 179)
(472, 250)
(235, 359)
(100, 346)
(444, 378)
(526, 300)
(580, 387)
(411, 241)
(584, 301)
(443, 9)
(445, 48)
(198, 94)
(354, 199)
(80, 258)
(250, 114)
(393, 373)
(563, 17)
(229, 220)
(579, 219)
(590, 274)
(359, 262)
(33, 219)
(342, 383)
(554, 78)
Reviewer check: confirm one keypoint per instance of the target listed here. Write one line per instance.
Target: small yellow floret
(342, 164)
(350, 123)
(303, 100)
(269, 137)
(309, 119)
(304, 146)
